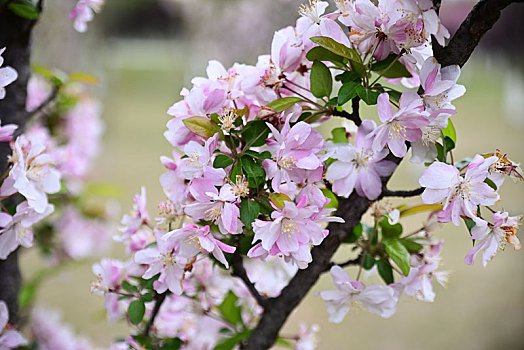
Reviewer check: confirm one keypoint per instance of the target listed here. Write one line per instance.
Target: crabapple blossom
(359, 167)
(7, 75)
(9, 338)
(191, 240)
(83, 12)
(404, 125)
(462, 194)
(378, 299)
(6, 132)
(440, 85)
(16, 230)
(139, 217)
(492, 237)
(32, 174)
(108, 275)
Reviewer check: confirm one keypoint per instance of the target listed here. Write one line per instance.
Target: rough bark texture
(459, 49)
(481, 19)
(15, 35)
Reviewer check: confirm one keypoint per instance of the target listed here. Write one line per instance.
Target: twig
(344, 264)
(410, 193)
(46, 103)
(159, 299)
(239, 271)
(354, 115)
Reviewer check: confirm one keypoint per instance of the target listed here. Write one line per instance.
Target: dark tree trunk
(15, 35)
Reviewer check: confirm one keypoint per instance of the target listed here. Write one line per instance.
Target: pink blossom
(83, 12)
(16, 230)
(174, 316)
(491, 238)
(404, 125)
(295, 150)
(32, 174)
(270, 276)
(108, 276)
(359, 167)
(218, 207)
(132, 223)
(191, 240)
(7, 75)
(440, 85)
(9, 338)
(163, 259)
(462, 194)
(6, 132)
(51, 334)
(423, 270)
(38, 91)
(378, 299)
(199, 163)
(307, 337)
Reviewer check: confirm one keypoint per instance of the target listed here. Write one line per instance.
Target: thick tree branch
(481, 18)
(15, 35)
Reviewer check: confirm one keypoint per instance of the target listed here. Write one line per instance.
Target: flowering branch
(159, 299)
(481, 18)
(409, 193)
(240, 272)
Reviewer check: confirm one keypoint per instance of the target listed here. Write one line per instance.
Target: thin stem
(304, 97)
(361, 265)
(388, 67)
(159, 299)
(410, 193)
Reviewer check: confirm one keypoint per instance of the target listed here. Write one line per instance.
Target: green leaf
(249, 210)
(355, 235)
(236, 170)
(411, 246)
(255, 133)
(230, 343)
(395, 95)
(490, 183)
(339, 135)
(463, 163)
(128, 287)
(229, 309)
(24, 9)
(333, 203)
(441, 155)
(396, 70)
(347, 92)
(450, 132)
(448, 143)
(390, 231)
(385, 270)
(399, 254)
(369, 262)
(348, 76)
(147, 298)
(27, 295)
(322, 54)
(337, 48)
(201, 126)
(420, 209)
(278, 199)
(136, 311)
(283, 103)
(256, 175)
(321, 80)
(367, 95)
(469, 224)
(358, 68)
(171, 344)
(222, 161)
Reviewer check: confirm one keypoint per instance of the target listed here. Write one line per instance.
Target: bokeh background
(145, 51)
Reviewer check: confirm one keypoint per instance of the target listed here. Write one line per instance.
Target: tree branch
(481, 18)
(354, 115)
(355, 261)
(239, 271)
(159, 300)
(411, 193)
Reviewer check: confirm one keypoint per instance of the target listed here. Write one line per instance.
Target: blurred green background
(145, 51)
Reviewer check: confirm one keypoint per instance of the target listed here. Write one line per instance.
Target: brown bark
(15, 35)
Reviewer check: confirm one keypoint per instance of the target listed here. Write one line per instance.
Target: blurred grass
(482, 308)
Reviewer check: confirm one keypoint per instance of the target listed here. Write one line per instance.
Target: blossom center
(310, 10)
(213, 213)
(396, 130)
(287, 162)
(289, 228)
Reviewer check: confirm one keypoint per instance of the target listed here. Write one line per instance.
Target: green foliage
(255, 133)
(249, 210)
(333, 199)
(385, 270)
(201, 126)
(348, 76)
(24, 8)
(369, 262)
(347, 92)
(278, 199)
(222, 161)
(450, 132)
(283, 103)
(321, 80)
(399, 254)
(490, 183)
(255, 174)
(230, 311)
(128, 287)
(411, 246)
(322, 54)
(391, 68)
(367, 95)
(339, 135)
(390, 231)
(355, 235)
(136, 311)
(230, 343)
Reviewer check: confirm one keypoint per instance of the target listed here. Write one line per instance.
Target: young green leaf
(339, 135)
(322, 54)
(337, 48)
(255, 133)
(399, 254)
(278, 199)
(411, 246)
(136, 311)
(229, 309)
(348, 76)
(201, 126)
(321, 80)
(333, 199)
(385, 270)
(256, 175)
(390, 68)
(450, 132)
(369, 262)
(367, 95)
(24, 9)
(283, 103)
